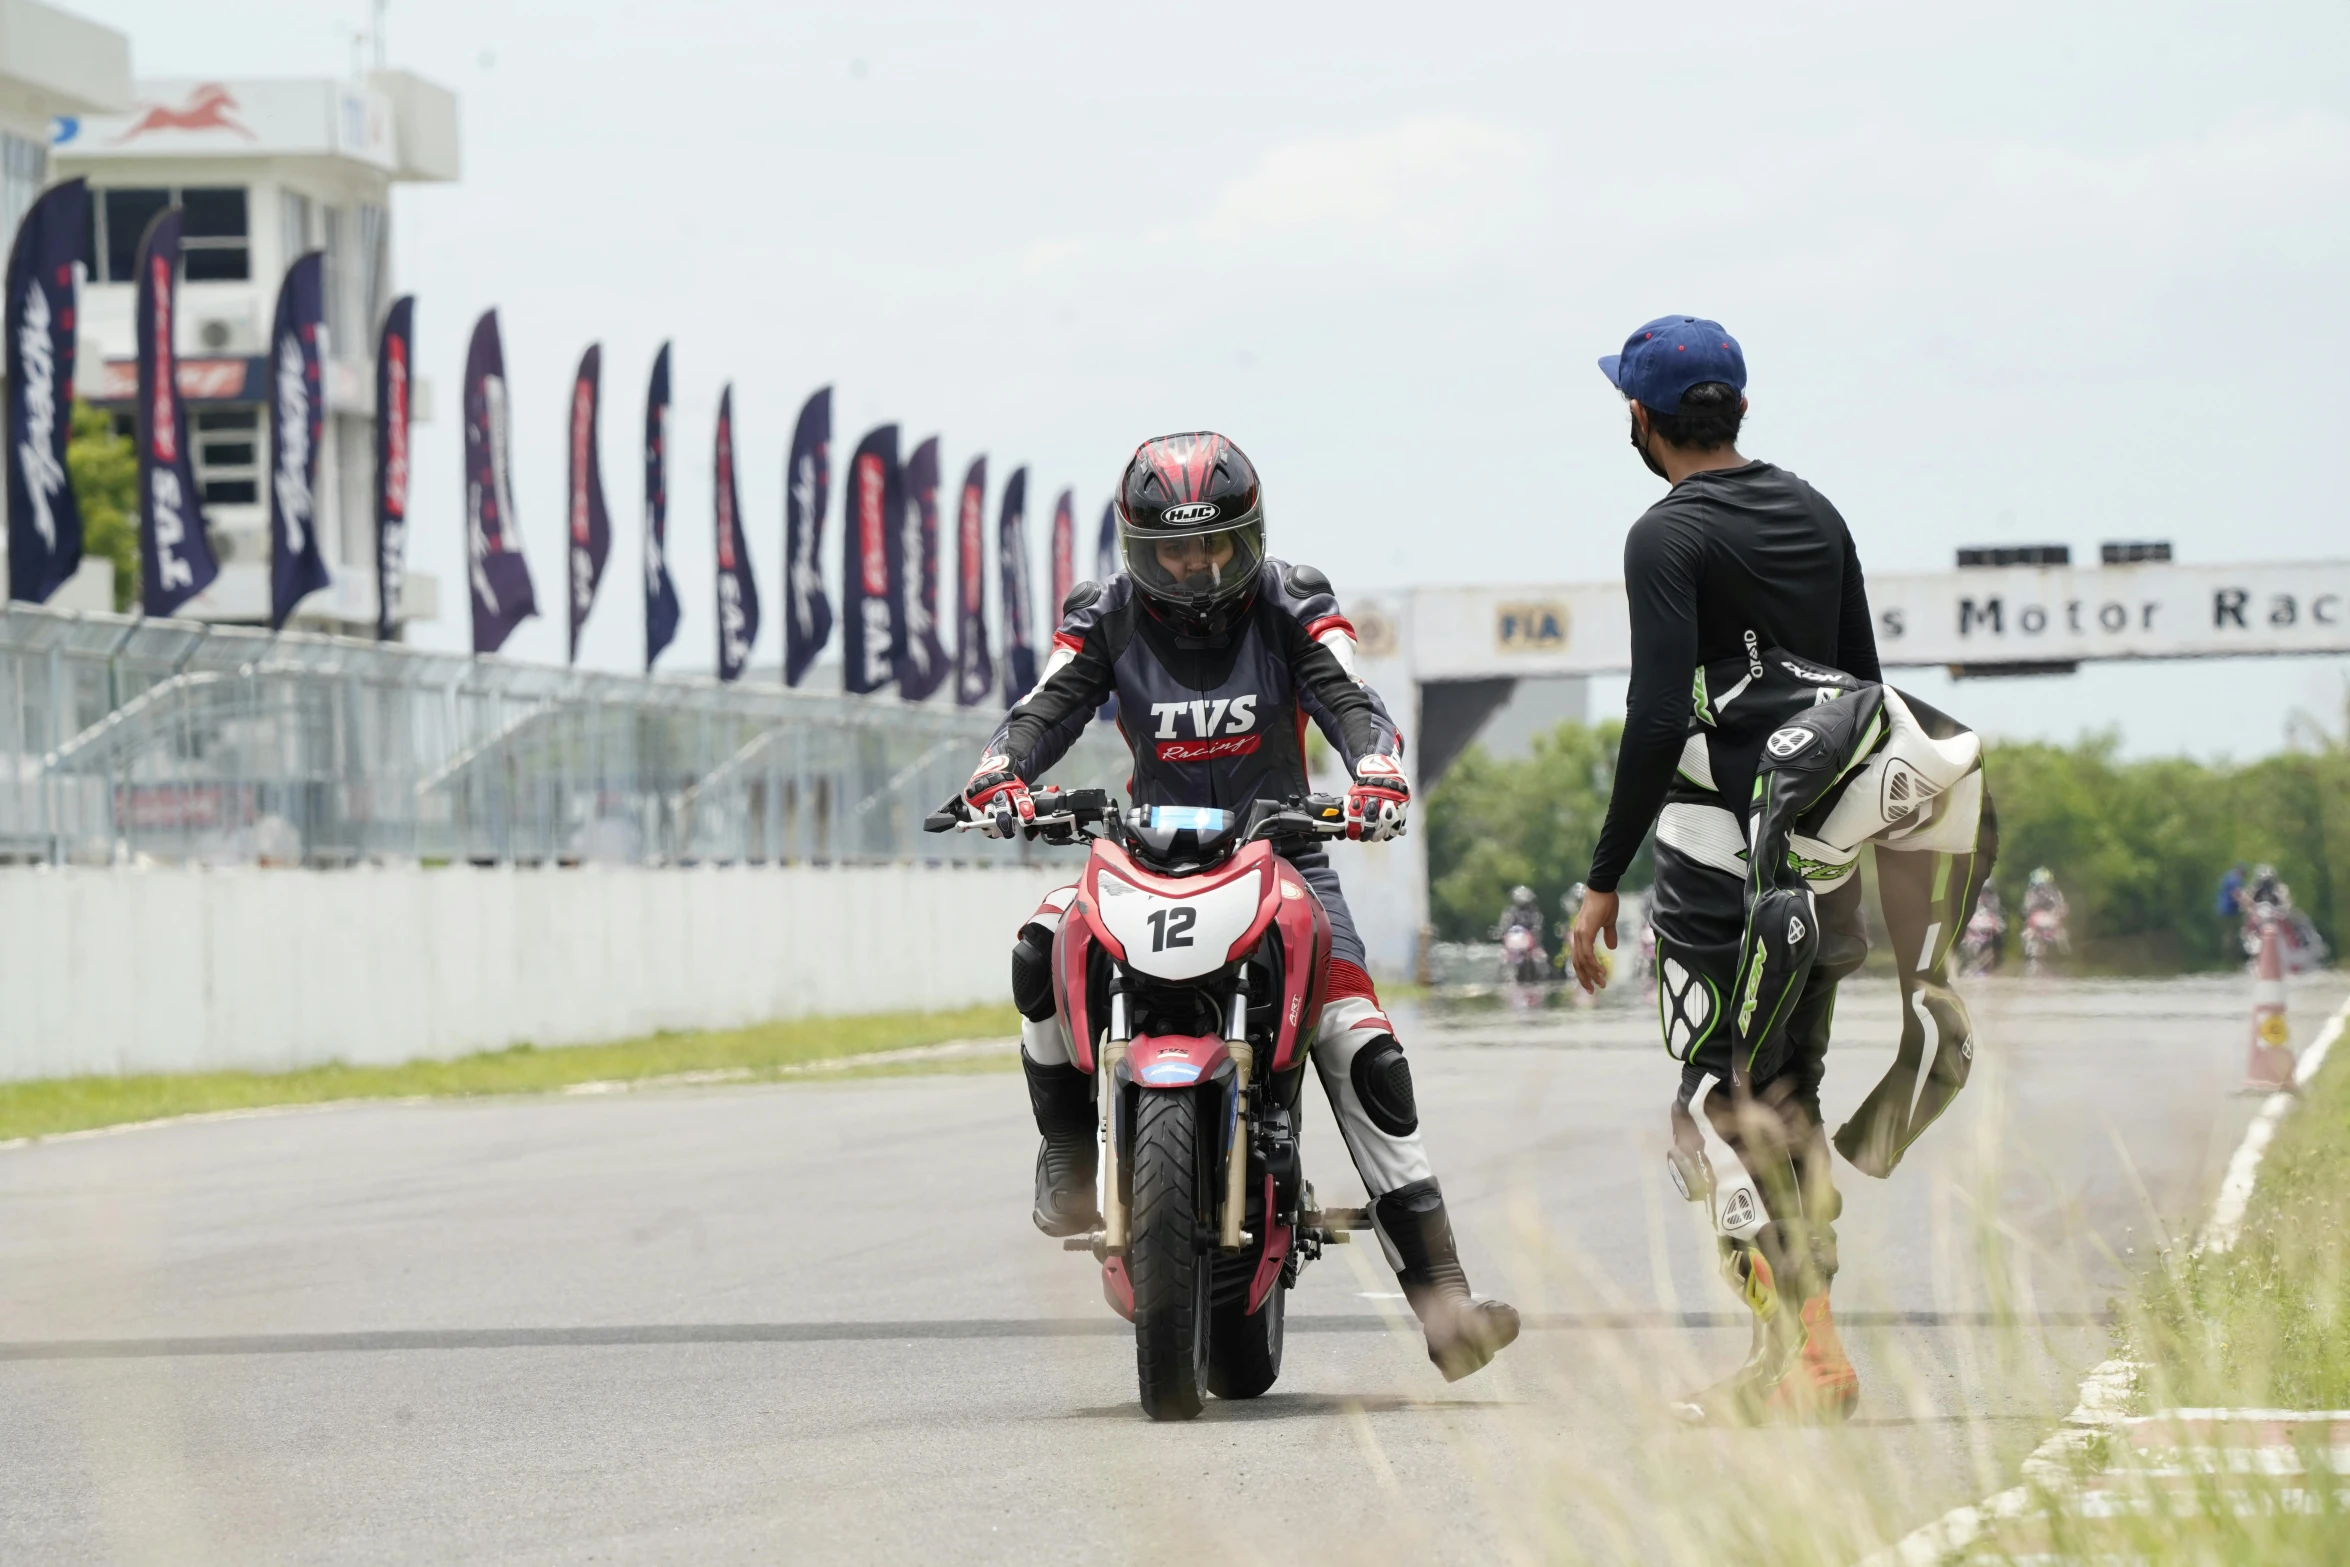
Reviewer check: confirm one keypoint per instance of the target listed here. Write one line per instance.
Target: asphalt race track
(811, 1321)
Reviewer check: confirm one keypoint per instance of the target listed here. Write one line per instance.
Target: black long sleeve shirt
(1726, 552)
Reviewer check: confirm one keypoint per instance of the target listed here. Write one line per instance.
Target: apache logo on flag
(500, 578)
(44, 521)
(807, 623)
(391, 463)
(591, 526)
(661, 607)
(297, 567)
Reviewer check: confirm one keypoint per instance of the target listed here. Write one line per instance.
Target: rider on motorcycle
(1523, 914)
(2042, 896)
(1218, 656)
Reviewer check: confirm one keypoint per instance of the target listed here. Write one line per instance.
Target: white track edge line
(2104, 1393)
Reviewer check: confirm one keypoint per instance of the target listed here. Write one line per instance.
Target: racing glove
(1379, 804)
(997, 796)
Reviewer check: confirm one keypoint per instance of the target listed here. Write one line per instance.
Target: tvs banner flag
(807, 490)
(1012, 559)
(395, 350)
(660, 592)
(869, 640)
(1105, 548)
(297, 423)
(738, 593)
(922, 657)
(591, 527)
(502, 597)
(1064, 555)
(175, 558)
(974, 660)
(44, 521)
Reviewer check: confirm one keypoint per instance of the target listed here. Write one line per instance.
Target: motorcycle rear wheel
(1244, 1350)
(1163, 1257)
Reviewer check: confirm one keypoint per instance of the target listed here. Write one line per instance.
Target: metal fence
(182, 742)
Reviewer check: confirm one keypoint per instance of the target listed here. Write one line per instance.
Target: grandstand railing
(125, 739)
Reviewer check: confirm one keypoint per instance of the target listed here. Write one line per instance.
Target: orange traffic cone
(2268, 1064)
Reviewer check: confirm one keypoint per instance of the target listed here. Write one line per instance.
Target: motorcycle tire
(1170, 1272)
(1244, 1349)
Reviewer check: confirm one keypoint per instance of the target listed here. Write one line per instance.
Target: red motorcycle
(1189, 975)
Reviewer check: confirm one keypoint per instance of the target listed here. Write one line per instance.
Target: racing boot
(1062, 1097)
(1463, 1332)
(1796, 1372)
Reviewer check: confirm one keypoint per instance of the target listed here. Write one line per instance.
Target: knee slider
(1032, 974)
(1382, 1080)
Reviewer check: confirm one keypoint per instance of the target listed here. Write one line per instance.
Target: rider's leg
(1060, 1094)
(1369, 1084)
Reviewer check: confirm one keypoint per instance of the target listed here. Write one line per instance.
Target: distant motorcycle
(1523, 962)
(2044, 938)
(1985, 933)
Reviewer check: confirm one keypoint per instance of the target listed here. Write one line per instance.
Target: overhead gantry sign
(1972, 618)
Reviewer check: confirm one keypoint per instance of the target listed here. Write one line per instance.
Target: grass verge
(72, 1104)
(2268, 1323)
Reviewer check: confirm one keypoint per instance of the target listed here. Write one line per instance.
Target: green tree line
(2138, 846)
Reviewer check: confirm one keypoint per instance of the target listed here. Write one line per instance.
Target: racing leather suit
(1789, 769)
(1220, 723)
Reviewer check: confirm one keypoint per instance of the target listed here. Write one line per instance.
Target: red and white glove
(996, 795)
(1380, 804)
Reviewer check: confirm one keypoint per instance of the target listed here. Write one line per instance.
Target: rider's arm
(1078, 678)
(1320, 647)
(1663, 557)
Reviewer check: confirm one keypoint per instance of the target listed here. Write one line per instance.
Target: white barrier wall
(118, 971)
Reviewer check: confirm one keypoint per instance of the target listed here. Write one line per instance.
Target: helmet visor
(1196, 570)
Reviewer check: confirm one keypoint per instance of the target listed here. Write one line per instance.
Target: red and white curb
(2177, 1445)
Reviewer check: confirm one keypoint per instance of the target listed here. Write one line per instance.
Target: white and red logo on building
(211, 107)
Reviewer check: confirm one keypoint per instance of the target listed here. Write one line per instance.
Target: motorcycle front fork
(1117, 1038)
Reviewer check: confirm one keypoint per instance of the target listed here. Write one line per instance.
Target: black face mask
(1642, 448)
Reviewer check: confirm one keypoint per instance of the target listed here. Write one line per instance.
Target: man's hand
(1594, 920)
(1379, 805)
(996, 794)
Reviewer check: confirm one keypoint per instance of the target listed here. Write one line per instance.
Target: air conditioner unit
(227, 335)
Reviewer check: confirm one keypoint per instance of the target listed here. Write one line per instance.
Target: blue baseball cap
(1670, 355)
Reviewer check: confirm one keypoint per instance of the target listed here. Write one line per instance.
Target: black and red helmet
(1192, 526)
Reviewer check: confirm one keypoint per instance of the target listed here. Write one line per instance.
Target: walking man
(1761, 744)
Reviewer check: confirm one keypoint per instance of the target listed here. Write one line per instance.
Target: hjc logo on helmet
(1195, 511)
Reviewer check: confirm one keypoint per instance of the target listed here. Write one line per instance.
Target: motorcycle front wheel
(1171, 1173)
(1244, 1348)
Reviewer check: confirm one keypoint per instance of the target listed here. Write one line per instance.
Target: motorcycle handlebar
(1072, 810)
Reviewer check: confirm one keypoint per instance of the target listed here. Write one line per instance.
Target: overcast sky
(2005, 272)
